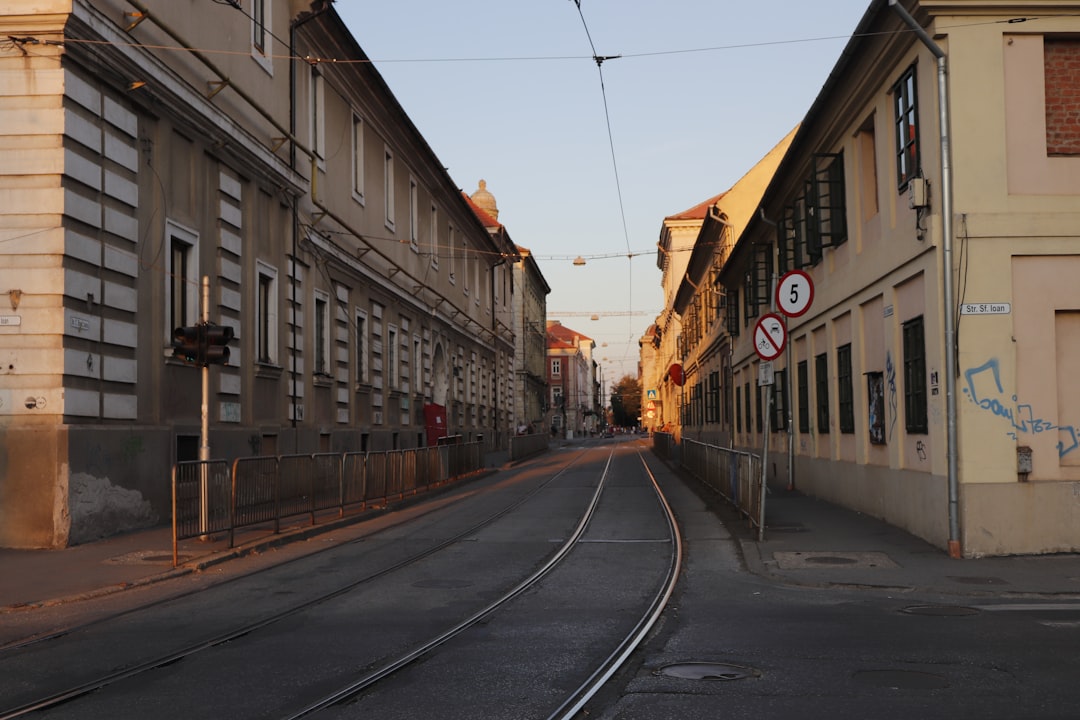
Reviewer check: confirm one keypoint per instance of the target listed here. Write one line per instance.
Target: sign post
(794, 295)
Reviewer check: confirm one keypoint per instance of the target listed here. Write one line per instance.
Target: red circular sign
(770, 336)
(794, 293)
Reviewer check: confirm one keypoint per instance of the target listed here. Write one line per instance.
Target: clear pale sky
(508, 91)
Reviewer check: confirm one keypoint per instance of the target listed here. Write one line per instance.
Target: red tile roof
(482, 215)
(699, 211)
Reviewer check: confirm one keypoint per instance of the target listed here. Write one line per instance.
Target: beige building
(142, 150)
(687, 368)
(929, 381)
(532, 402)
(572, 381)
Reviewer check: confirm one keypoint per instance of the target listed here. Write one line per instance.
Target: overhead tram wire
(599, 59)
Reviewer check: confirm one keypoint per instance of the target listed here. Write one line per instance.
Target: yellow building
(932, 196)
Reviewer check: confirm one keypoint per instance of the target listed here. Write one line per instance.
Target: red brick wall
(1062, 69)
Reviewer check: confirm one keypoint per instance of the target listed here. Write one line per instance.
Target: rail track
(42, 681)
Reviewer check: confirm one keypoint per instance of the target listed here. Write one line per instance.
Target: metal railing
(211, 497)
(523, 446)
(735, 475)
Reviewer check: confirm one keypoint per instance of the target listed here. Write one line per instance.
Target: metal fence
(211, 497)
(523, 446)
(733, 474)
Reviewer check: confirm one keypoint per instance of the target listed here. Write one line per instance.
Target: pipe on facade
(955, 550)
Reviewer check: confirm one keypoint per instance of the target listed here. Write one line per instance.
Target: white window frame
(261, 46)
(266, 318)
(358, 125)
(321, 333)
(556, 367)
(182, 283)
(388, 186)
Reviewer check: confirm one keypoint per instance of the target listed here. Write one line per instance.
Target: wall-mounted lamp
(578, 261)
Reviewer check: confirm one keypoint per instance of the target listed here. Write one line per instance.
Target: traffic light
(216, 348)
(188, 344)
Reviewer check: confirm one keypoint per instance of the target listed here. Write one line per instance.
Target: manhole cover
(803, 560)
(940, 610)
(830, 560)
(901, 679)
(442, 583)
(708, 671)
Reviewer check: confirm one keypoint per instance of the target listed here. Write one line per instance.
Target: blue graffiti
(1020, 416)
(890, 377)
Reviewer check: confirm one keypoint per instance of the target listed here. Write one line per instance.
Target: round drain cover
(708, 671)
(940, 610)
(901, 679)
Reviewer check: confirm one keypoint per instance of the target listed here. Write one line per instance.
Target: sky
(587, 159)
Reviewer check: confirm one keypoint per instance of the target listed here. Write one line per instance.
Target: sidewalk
(814, 543)
(807, 542)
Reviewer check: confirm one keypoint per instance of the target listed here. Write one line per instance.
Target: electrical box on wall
(918, 192)
(1023, 462)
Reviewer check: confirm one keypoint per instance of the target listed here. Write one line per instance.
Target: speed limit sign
(794, 293)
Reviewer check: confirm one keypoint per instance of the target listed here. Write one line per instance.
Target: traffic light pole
(204, 434)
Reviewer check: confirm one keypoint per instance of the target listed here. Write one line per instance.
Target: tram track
(595, 677)
(56, 697)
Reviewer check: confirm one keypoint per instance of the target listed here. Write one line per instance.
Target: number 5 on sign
(794, 293)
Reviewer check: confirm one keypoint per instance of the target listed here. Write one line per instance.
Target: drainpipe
(947, 274)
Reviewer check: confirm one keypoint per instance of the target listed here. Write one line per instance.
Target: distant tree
(626, 401)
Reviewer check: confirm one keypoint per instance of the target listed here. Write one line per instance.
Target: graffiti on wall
(985, 391)
(890, 378)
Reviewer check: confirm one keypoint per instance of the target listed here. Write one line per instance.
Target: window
(866, 144)
(712, 401)
(414, 216)
(433, 237)
(556, 397)
(322, 333)
(845, 389)
(388, 187)
(465, 266)
(183, 278)
(829, 202)
(556, 368)
(731, 312)
(450, 250)
(746, 395)
(318, 118)
(738, 409)
(780, 401)
(390, 352)
(905, 109)
(417, 372)
(260, 33)
(915, 418)
(803, 370)
(266, 314)
(361, 347)
(821, 377)
(758, 395)
(358, 158)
